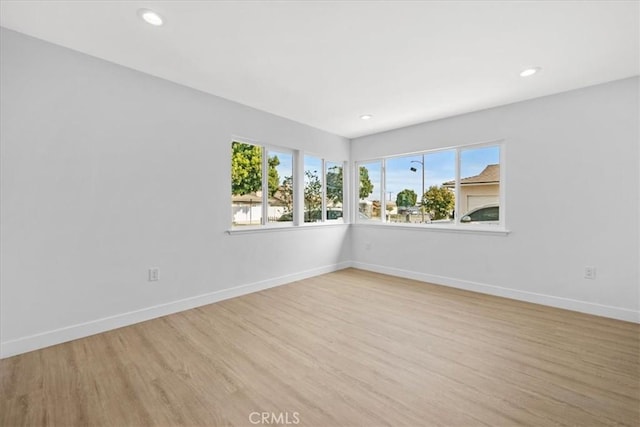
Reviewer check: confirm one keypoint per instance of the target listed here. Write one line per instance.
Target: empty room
(319, 213)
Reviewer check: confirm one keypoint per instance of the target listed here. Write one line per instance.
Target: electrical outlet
(590, 272)
(154, 274)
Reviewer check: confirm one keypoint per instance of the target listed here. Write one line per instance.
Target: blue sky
(285, 168)
(313, 164)
(439, 167)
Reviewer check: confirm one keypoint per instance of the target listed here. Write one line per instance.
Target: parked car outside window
(485, 214)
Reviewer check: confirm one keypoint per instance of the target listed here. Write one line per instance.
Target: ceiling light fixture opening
(366, 116)
(530, 71)
(150, 17)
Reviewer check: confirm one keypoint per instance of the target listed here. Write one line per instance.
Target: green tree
(335, 184)
(406, 198)
(286, 193)
(312, 196)
(438, 202)
(366, 186)
(246, 170)
(274, 177)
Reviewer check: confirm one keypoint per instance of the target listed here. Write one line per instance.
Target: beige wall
(472, 196)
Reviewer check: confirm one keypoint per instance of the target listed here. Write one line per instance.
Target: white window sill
(448, 228)
(289, 227)
(471, 229)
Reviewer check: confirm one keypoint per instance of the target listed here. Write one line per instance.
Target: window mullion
(502, 188)
(383, 201)
(457, 205)
(346, 182)
(298, 188)
(355, 184)
(265, 185)
(323, 192)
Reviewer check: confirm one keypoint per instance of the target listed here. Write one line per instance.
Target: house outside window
(456, 186)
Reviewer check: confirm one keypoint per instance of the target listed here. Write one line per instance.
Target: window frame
(265, 184)
(264, 220)
(323, 176)
(455, 225)
(356, 189)
(322, 188)
(344, 166)
(298, 189)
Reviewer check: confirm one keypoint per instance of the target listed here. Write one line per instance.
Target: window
(246, 184)
(335, 190)
(449, 187)
(253, 169)
(416, 189)
(280, 187)
(479, 185)
(313, 189)
(323, 190)
(369, 191)
(439, 200)
(263, 187)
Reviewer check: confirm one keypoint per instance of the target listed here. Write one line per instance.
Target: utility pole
(412, 169)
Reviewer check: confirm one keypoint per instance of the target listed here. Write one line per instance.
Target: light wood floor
(350, 348)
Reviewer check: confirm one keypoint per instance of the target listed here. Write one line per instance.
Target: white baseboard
(549, 300)
(69, 333)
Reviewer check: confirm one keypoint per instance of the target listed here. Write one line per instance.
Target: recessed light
(529, 71)
(366, 116)
(150, 17)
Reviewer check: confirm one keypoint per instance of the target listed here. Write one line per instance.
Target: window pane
(333, 201)
(369, 206)
(480, 185)
(403, 186)
(246, 184)
(280, 187)
(312, 189)
(439, 196)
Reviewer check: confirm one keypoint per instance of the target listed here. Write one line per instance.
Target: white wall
(571, 198)
(107, 172)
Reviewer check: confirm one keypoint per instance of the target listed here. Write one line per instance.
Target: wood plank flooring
(350, 348)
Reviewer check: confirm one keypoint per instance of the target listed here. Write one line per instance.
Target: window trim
(351, 193)
(456, 225)
(322, 178)
(265, 149)
(345, 211)
(265, 178)
(445, 228)
(298, 190)
(323, 166)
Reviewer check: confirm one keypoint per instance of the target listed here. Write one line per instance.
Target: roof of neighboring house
(489, 175)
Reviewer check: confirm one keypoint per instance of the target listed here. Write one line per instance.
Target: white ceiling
(327, 63)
